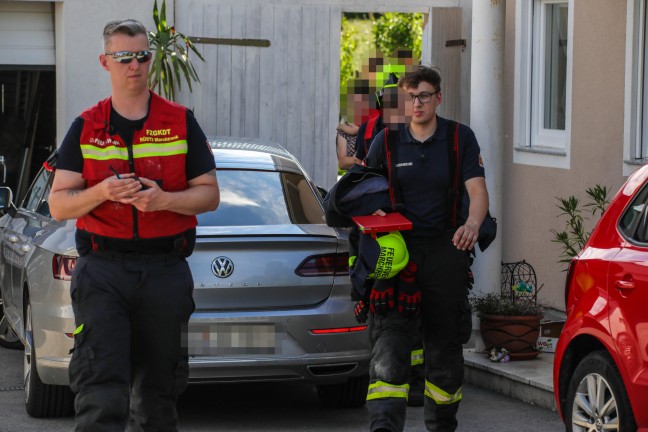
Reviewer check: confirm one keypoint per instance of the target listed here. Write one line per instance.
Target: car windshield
(250, 197)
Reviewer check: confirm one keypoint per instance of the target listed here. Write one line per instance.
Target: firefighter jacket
(158, 152)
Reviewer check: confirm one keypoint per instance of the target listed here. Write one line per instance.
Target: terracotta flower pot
(518, 334)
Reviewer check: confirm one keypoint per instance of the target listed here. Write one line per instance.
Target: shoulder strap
(391, 153)
(371, 123)
(455, 193)
(368, 134)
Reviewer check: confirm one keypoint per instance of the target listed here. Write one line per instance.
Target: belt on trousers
(178, 244)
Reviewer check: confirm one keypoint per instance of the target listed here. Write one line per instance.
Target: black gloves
(361, 311)
(409, 294)
(400, 292)
(382, 297)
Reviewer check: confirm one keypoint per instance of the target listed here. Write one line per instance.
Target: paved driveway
(280, 407)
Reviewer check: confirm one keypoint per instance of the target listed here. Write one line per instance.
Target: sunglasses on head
(128, 56)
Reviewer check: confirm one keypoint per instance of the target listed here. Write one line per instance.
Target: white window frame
(536, 145)
(635, 130)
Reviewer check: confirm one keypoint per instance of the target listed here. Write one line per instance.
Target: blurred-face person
(397, 107)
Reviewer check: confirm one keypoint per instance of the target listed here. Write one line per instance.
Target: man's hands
(466, 236)
(142, 193)
(120, 188)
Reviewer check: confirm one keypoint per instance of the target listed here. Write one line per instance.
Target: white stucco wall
(529, 192)
(80, 80)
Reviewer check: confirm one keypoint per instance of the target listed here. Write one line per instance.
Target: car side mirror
(6, 200)
(5, 197)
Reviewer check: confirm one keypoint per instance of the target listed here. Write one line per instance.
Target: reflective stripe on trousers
(383, 390)
(417, 357)
(440, 396)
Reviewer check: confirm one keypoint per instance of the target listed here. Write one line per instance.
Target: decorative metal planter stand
(517, 334)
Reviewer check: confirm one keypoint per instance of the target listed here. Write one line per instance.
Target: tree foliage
(399, 30)
(387, 33)
(348, 46)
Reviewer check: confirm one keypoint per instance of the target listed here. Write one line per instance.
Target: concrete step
(530, 381)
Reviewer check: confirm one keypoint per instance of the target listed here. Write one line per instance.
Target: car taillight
(568, 279)
(324, 265)
(339, 330)
(62, 267)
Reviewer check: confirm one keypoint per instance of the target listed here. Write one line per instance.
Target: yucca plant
(171, 61)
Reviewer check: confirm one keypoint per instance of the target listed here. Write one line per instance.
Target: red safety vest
(158, 153)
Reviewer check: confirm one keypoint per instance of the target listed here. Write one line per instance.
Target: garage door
(26, 33)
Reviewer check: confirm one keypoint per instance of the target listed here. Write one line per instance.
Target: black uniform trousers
(445, 321)
(129, 366)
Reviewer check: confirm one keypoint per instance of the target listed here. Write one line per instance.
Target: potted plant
(510, 319)
(508, 323)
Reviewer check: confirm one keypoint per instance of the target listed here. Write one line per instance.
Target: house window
(636, 131)
(551, 37)
(543, 82)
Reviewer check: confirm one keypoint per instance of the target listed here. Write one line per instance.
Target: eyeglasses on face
(128, 56)
(423, 97)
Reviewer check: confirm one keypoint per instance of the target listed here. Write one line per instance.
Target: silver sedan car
(272, 290)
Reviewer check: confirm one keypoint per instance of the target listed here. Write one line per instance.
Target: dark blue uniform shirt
(423, 175)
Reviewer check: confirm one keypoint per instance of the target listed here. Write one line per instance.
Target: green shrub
(573, 238)
(493, 303)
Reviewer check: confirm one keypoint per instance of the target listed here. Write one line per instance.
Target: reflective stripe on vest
(441, 397)
(383, 390)
(417, 357)
(90, 151)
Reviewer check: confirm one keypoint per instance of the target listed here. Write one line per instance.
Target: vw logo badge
(222, 267)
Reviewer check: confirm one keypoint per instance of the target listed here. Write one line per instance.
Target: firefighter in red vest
(134, 170)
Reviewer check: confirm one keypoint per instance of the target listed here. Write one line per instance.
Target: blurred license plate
(231, 339)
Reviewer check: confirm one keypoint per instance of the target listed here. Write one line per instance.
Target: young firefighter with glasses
(417, 154)
(134, 170)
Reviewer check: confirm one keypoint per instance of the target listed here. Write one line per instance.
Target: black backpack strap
(391, 154)
(455, 191)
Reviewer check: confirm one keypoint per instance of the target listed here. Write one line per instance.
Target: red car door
(627, 300)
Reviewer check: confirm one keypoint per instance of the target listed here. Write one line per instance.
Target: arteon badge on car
(222, 267)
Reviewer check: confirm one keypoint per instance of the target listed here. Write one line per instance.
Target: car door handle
(13, 239)
(625, 284)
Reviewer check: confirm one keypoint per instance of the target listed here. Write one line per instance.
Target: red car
(601, 362)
